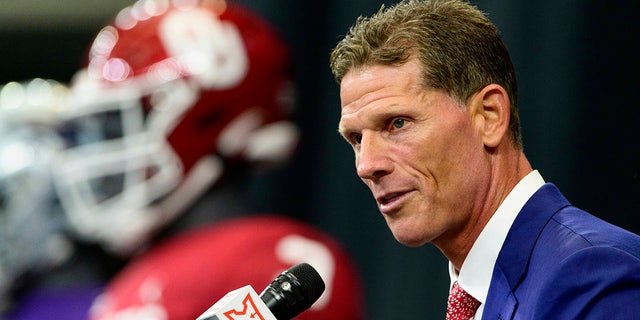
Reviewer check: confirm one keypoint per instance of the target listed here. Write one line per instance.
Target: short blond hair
(459, 48)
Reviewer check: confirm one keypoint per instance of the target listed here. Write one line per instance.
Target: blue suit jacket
(559, 262)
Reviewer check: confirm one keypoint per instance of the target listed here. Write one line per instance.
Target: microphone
(292, 292)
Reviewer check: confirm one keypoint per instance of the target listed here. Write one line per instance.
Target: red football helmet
(173, 93)
(182, 276)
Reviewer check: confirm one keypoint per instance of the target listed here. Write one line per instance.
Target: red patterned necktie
(461, 305)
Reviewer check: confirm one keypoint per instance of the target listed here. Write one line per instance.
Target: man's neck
(507, 170)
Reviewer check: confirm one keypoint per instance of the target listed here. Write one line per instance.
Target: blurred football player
(31, 229)
(43, 274)
(178, 103)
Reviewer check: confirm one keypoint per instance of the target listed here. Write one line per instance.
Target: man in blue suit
(428, 94)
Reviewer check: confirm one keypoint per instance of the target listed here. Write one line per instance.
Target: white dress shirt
(477, 268)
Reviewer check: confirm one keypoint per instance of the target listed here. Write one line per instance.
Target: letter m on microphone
(240, 304)
(249, 311)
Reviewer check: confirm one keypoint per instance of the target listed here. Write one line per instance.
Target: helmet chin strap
(272, 144)
(258, 143)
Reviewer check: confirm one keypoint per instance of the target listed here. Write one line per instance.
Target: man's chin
(408, 240)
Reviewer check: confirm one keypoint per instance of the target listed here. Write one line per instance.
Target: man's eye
(398, 123)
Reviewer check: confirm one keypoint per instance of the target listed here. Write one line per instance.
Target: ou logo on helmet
(208, 49)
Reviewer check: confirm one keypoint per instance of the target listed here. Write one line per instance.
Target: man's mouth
(391, 201)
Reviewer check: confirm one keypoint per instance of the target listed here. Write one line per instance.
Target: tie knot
(461, 305)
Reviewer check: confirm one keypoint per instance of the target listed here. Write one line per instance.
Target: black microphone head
(293, 291)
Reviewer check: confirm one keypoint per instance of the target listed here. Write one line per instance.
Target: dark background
(578, 68)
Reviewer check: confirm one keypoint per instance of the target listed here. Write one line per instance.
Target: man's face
(417, 150)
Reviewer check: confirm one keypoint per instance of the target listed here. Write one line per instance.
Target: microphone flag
(240, 304)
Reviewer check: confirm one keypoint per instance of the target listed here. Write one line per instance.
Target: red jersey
(184, 275)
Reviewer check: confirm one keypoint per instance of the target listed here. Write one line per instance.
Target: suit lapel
(514, 256)
(500, 303)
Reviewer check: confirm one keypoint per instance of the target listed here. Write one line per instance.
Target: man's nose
(373, 159)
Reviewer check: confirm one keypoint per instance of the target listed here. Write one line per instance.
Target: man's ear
(491, 111)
